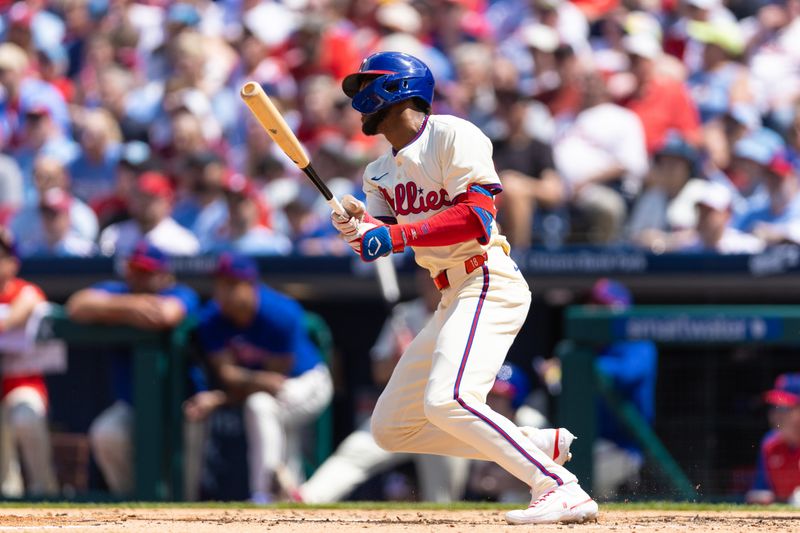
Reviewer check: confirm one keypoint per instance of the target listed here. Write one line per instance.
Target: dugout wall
(674, 327)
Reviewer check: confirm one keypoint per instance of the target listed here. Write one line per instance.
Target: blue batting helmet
(395, 76)
(512, 383)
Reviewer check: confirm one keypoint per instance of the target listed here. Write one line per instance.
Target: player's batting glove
(382, 240)
(348, 227)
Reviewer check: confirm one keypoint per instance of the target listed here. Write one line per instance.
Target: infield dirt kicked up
(198, 519)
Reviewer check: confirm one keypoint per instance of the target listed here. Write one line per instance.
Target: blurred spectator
(526, 169)
(506, 16)
(713, 232)
(23, 93)
(720, 82)
(751, 155)
(721, 136)
(564, 100)
(766, 220)
(53, 64)
(472, 97)
(793, 135)
(774, 57)
(662, 103)
(246, 230)
(309, 232)
(261, 356)
(358, 457)
(150, 207)
(49, 173)
(632, 366)
(59, 239)
(778, 467)
(667, 203)
(603, 160)
(135, 159)
(201, 205)
(94, 172)
(24, 396)
(542, 42)
(10, 187)
(150, 299)
(41, 136)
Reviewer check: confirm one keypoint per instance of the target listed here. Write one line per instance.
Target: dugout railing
(587, 328)
(160, 370)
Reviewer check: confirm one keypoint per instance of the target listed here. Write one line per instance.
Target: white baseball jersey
(446, 157)
(434, 401)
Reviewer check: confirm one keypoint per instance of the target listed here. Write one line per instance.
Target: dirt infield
(201, 520)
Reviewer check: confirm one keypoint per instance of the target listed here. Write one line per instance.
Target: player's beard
(373, 121)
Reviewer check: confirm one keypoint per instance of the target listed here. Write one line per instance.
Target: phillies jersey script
(425, 176)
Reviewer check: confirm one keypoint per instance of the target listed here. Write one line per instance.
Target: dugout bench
(588, 327)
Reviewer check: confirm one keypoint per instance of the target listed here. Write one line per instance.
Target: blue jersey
(122, 379)
(277, 330)
(633, 366)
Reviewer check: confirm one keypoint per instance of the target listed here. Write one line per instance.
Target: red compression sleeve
(454, 225)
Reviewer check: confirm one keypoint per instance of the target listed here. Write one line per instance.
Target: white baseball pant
(358, 458)
(435, 401)
(24, 428)
(111, 440)
(273, 423)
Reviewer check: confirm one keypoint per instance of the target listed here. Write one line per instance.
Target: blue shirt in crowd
(122, 378)
(93, 180)
(759, 211)
(277, 330)
(633, 366)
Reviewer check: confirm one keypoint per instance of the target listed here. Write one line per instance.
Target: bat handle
(337, 207)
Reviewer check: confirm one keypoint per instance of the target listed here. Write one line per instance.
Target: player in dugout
(434, 191)
(262, 358)
(24, 395)
(147, 298)
(778, 468)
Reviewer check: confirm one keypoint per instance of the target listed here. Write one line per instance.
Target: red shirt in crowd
(8, 295)
(664, 105)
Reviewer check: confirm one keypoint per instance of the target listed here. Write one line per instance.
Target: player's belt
(470, 265)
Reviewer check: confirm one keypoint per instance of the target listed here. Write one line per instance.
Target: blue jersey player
(262, 357)
(148, 298)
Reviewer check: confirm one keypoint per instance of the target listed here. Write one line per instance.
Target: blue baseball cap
(511, 382)
(147, 257)
(760, 146)
(237, 266)
(610, 293)
(786, 392)
(675, 145)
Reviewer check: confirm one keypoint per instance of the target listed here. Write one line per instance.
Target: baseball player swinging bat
(273, 123)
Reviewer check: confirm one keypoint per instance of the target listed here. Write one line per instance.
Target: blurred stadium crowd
(670, 125)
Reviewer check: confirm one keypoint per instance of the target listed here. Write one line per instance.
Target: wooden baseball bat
(271, 120)
(273, 123)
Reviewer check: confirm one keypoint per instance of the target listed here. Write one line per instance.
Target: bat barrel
(250, 88)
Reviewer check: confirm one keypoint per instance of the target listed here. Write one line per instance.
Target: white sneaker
(566, 503)
(554, 442)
